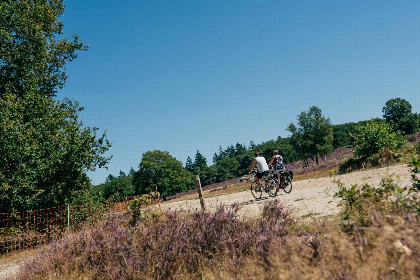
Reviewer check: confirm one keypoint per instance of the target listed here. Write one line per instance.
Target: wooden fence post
(200, 192)
(68, 216)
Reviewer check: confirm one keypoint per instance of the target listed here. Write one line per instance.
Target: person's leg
(276, 173)
(257, 179)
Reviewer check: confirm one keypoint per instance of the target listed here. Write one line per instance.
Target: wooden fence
(28, 229)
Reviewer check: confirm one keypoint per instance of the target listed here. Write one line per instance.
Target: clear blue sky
(192, 75)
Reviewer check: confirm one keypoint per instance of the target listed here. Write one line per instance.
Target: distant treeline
(158, 170)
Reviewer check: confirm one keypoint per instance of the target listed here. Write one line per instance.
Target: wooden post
(68, 216)
(200, 192)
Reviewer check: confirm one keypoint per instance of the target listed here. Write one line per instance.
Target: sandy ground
(308, 197)
(7, 270)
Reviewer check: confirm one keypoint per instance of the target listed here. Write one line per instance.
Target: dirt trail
(7, 270)
(308, 197)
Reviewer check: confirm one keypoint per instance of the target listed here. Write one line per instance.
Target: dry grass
(16, 256)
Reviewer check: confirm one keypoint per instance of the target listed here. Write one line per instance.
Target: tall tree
(398, 112)
(189, 164)
(200, 162)
(45, 151)
(312, 136)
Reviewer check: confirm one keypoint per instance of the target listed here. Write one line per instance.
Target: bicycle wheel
(255, 190)
(271, 186)
(287, 184)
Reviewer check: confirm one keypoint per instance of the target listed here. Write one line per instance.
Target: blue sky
(192, 75)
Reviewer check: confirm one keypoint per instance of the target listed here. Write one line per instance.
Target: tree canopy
(159, 170)
(398, 112)
(33, 52)
(45, 151)
(313, 134)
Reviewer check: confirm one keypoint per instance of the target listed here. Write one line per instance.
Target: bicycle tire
(271, 186)
(288, 187)
(255, 190)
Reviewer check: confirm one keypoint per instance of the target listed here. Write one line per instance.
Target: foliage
(200, 162)
(138, 205)
(158, 170)
(114, 187)
(189, 164)
(350, 165)
(312, 137)
(342, 133)
(33, 52)
(398, 112)
(375, 137)
(45, 151)
(359, 202)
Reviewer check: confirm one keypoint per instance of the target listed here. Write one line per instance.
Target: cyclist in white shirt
(262, 168)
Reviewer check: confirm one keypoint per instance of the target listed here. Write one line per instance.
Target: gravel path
(7, 270)
(308, 197)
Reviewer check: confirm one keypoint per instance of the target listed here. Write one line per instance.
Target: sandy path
(308, 197)
(8, 270)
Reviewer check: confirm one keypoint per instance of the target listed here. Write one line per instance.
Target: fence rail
(28, 229)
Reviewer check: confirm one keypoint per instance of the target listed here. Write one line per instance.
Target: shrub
(382, 158)
(350, 164)
(137, 206)
(374, 137)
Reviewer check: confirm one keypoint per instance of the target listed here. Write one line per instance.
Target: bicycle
(286, 178)
(268, 188)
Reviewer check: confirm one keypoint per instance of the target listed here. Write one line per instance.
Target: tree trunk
(316, 158)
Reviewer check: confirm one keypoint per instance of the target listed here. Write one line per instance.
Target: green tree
(398, 112)
(45, 151)
(374, 137)
(33, 52)
(158, 169)
(227, 169)
(312, 137)
(189, 164)
(200, 162)
(208, 175)
(118, 187)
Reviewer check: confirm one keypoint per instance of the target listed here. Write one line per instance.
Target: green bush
(350, 164)
(374, 137)
(137, 206)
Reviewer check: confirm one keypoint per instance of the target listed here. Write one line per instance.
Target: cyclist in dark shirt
(278, 166)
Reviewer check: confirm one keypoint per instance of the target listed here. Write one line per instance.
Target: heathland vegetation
(375, 236)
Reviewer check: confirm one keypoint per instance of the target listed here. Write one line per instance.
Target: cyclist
(262, 168)
(278, 166)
